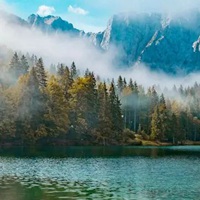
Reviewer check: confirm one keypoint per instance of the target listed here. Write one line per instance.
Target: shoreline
(142, 143)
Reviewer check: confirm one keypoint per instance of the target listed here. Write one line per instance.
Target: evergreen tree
(66, 82)
(15, 67)
(7, 115)
(24, 65)
(73, 71)
(115, 112)
(57, 119)
(104, 125)
(130, 85)
(61, 69)
(164, 117)
(41, 74)
(31, 109)
(120, 84)
(83, 103)
(156, 132)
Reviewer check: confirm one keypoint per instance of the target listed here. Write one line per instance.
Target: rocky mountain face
(169, 44)
(52, 24)
(162, 43)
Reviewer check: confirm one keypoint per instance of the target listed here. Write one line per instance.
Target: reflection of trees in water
(26, 189)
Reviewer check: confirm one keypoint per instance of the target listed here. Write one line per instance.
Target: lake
(100, 173)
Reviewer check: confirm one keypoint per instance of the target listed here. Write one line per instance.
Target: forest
(63, 106)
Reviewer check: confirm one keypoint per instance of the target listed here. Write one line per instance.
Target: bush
(145, 136)
(127, 133)
(135, 142)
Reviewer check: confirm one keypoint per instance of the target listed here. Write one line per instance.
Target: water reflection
(100, 173)
(79, 152)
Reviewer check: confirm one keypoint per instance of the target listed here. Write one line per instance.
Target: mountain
(13, 19)
(52, 24)
(166, 43)
(170, 44)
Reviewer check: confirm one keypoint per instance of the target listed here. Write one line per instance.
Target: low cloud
(44, 10)
(77, 10)
(55, 48)
(5, 6)
(62, 48)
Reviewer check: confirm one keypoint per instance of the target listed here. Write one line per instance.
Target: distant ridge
(161, 42)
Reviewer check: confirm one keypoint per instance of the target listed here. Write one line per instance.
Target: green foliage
(41, 74)
(56, 117)
(127, 135)
(35, 106)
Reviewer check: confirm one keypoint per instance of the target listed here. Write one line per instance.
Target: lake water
(100, 173)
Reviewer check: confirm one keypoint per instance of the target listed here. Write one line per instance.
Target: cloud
(55, 48)
(44, 10)
(65, 49)
(77, 10)
(61, 48)
(6, 7)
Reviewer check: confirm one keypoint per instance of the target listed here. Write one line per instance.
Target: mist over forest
(60, 87)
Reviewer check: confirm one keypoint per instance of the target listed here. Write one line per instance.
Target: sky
(93, 15)
(82, 13)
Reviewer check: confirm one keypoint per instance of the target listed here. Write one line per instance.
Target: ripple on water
(100, 178)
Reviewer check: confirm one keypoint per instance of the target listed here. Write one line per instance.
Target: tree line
(61, 105)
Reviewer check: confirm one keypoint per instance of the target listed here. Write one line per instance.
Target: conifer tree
(57, 116)
(61, 69)
(104, 114)
(130, 85)
(73, 71)
(115, 110)
(24, 65)
(120, 84)
(156, 132)
(31, 108)
(15, 67)
(65, 81)
(41, 74)
(83, 104)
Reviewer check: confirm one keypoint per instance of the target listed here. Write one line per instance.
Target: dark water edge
(99, 151)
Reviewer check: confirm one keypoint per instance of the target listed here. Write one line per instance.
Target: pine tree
(24, 65)
(124, 83)
(104, 125)
(41, 74)
(31, 109)
(15, 67)
(115, 110)
(92, 101)
(7, 114)
(73, 71)
(61, 69)
(120, 84)
(164, 117)
(130, 85)
(57, 119)
(136, 105)
(83, 102)
(66, 81)
(156, 132)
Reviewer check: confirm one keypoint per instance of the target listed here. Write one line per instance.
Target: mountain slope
(52, 24)
(171, 45)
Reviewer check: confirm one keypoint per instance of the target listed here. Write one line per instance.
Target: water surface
(100, 173)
